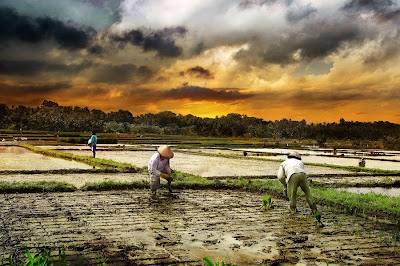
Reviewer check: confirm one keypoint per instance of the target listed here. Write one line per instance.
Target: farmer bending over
(292, 175)
(159, 167)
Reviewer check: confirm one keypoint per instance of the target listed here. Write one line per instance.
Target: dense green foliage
(52, 117)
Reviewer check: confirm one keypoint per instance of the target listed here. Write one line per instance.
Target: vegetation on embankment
(84, 159)
(34, 187)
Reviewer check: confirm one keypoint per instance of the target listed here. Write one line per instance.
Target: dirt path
(129, 229)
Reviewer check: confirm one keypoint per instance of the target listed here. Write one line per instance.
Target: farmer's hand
(164, 175)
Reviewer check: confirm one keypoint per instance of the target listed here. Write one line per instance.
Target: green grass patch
(41, 186)
(84, 159)
(113, 185)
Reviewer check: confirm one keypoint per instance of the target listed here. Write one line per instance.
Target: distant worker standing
(159, 167)
(292, 175)
(93, 143)
(361, 163)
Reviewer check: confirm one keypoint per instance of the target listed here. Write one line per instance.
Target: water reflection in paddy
(391, 192)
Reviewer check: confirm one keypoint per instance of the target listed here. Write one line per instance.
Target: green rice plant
(357, 229)
(338, 221)
(266, 202)
(43, 258)
(318, 216)
(381, 235)
(210, 263)
(395, 238)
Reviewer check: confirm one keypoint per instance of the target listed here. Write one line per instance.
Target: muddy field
(130, 229)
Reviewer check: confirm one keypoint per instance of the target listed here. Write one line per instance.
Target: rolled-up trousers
(295, 181)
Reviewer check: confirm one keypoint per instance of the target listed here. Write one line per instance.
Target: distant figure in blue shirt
(92, 143)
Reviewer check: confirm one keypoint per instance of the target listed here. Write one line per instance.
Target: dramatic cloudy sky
(318, 60)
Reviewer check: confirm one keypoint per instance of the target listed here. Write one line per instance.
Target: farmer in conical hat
(159, 167)
(292, 175)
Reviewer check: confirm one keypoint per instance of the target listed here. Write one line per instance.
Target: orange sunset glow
(298, 59)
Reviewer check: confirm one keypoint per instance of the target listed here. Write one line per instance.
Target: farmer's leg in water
(306, 189)
(292, 186)
(154, 184)
(94, 151)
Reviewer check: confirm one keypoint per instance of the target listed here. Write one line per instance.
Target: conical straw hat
(165, 151)
(295, 154)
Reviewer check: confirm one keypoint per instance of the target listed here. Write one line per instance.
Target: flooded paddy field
(206, 166)
(18, 158)
(130, 229)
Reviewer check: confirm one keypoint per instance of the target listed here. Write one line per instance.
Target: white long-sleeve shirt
(290, 167)
(156, 166)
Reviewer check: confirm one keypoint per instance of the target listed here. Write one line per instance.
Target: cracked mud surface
(130, 229)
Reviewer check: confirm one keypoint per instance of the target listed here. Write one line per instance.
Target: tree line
(50, 116)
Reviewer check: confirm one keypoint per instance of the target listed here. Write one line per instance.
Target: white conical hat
(165, 151)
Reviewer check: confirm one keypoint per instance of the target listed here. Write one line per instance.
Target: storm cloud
(27, 89)
(195, 93)
(313, 43)
(383, 10)
(200, 72)
(14, 26)
(34, 67)
(161, 41)
(116, 74)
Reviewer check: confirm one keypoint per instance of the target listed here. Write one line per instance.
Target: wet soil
(131, 229)
(17, 158)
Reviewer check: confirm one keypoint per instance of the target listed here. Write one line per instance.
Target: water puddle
(391, 192)
(17, 158)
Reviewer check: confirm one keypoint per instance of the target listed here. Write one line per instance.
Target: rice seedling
(381, 235)
(210, 263)
(43, 258)
(338, 221)
(318, 216)
(395, 238)
(266, 202)
(357, 229)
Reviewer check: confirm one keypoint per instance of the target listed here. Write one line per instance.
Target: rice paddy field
(108, 214)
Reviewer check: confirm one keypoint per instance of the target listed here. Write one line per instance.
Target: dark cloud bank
(161, 41)
(14, 26)
(205, 94)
